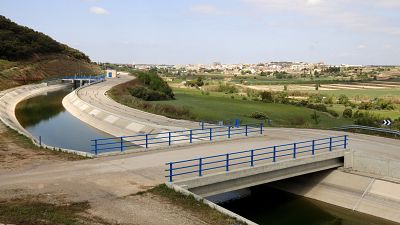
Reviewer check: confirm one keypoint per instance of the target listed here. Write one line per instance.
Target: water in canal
(268, 206)
(45, 116)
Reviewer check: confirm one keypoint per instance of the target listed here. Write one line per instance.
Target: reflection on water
(45, 116)
(269, 206)
(40, 108)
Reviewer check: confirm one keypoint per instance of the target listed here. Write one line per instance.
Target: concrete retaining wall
(376, 165)
(354, 192)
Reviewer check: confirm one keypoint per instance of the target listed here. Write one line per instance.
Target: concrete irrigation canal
(329, 196)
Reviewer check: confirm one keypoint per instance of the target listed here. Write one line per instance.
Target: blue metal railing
(85, 77)
(123, 143)
(199, 166)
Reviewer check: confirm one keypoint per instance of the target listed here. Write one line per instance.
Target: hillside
(28, 56)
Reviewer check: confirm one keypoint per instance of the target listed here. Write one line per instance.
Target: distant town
(272, 69)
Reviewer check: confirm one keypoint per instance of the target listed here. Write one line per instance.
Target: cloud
(313, 2)
(361, 46)
(353, 14)
(98, 10)
(206, 9)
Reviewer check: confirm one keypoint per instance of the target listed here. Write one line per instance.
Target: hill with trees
(28, 56)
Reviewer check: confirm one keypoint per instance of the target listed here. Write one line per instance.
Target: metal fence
(249, 158)
(84, 77)
(366, 128)
(123, 143)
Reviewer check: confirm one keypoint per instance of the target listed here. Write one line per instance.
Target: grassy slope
(218, 106)
(27, 71)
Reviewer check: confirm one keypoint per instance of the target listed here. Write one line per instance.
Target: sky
(228, 31)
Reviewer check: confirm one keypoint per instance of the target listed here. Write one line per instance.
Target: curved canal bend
(44, 116)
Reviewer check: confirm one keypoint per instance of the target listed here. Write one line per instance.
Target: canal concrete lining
(222, 182)
(351, 191)
(92, 105)
(11, 97)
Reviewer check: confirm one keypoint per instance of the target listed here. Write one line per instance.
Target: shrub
(297, 121)
(343, 99)
(227, 88)
(152, 81)
(333, 113)
(316, 117)
(367, 119)
(147, 94)
(348, 113)
(259, 115)
(266, 96)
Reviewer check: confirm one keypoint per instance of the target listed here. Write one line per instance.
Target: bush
(266, 96)
(147, 94)
(297, 121)
(347, 113)
(333, 113)
(152, 81)
(227, 88)
(343, 99)
(367, 119)
(259, 115)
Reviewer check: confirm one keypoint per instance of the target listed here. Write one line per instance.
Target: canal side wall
(229, 213)
(351, 191)
(10, 98)
(112, 124)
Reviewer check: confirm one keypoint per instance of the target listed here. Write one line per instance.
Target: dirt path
(18, 153)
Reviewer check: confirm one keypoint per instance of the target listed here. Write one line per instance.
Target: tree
(316, 117)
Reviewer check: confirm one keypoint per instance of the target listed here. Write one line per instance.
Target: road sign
(387, 122)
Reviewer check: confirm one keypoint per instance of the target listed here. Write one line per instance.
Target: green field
(220, 106)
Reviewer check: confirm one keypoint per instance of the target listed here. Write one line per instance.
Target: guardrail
(225, 162)
(173, 137)
(84, 77)
(374, 129)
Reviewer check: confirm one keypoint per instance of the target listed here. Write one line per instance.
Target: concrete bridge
(238, 170)
(82, 80)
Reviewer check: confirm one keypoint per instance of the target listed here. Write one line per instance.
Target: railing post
(40, 140)
(95, 146)
(169, 138)
(147, 140)
(190, 136)
(227, 162)
(345, 141)
(229, 131)
(251, 157)
(170, 172)
(202, 125)
(313, 147)
(274, 155)
(245, 129)
(294, 150)
(261, 128)
(122, 144)
(330, 144)
(210, 134)
(200, 167)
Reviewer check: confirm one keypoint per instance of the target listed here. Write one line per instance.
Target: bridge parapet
(249, 158)
(217, 174)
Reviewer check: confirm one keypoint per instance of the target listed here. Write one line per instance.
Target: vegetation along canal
(45, 116)
(266, 205)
